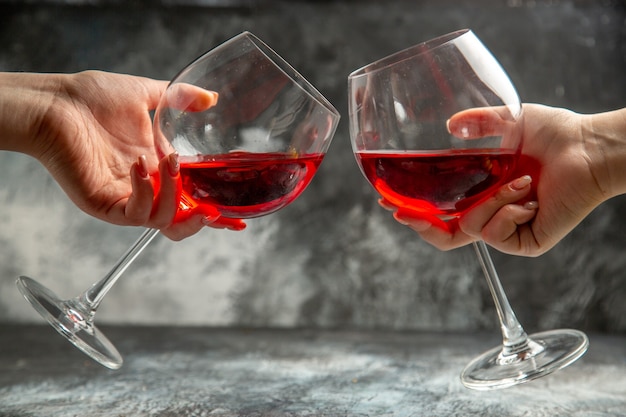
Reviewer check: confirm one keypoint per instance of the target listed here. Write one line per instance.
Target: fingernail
(142, 167)
(214, 97)
(520, 183)
(414, 222)
(421, 224)
(464, 131)
(173, 164)
(531, 205)
(237, 227)
(402, 221)
(209, 219)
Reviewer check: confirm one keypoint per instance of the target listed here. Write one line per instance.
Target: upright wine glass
(399, 107)
(250, 132)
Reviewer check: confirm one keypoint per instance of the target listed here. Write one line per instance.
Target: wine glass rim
(288, 70)
(410, 52)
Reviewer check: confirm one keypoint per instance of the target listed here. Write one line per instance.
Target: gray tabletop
(176, 371)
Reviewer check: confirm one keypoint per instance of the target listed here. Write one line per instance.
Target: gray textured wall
(333, 258)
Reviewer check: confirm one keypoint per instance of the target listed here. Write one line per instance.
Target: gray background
(334, 258)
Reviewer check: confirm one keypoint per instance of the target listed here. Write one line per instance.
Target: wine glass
(399, 107)
(250, 133)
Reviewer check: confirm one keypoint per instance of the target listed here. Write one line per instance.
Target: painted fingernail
(520, 183)
(213, 96)
(237, 227)
(402, 221)
(173, 164)
(414, 222)
(464, 131)
(208, 220)
(531, 205)
(142, 167)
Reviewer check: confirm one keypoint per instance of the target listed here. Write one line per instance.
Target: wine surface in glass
(439, 183)
(245, 184)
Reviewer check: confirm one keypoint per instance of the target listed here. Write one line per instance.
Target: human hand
(556, 185)
(88, 129)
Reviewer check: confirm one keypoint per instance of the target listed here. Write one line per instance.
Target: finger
(225, 223)
(480, 122)
(191, 98)
(415, 219)
(154, 91)
(444, 235)
(139, 204)
(183, 229)
(507, 229)
(386, 204)
(445, 238)
(473, 221)
(192, 224)
(211, 217)
(166, 203)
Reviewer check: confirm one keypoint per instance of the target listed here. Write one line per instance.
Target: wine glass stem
(92, 297)
(513, 335)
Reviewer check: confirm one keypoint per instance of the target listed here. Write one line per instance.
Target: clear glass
(250, 133)
(399, 108)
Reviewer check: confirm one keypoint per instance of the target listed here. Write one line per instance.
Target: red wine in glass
(245, 184)
(437, 183)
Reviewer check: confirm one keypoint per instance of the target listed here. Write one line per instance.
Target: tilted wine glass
(250, 133)
(399, 108)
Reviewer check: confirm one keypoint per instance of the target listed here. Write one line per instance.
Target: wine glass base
(547, 352)
(70, 322)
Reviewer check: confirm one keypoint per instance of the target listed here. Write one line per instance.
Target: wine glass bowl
(399, 112)
(436, 129)
(250, 133)
(249, 130)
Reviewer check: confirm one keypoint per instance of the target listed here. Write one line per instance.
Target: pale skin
(570, 164)
(93, 132)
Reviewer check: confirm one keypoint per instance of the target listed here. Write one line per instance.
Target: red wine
(439, 183)
(244, 185)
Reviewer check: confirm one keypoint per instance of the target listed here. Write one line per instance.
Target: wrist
(25, 103)
(607, 131)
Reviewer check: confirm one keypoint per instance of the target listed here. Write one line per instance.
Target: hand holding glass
(399, 108)
(250, 133)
